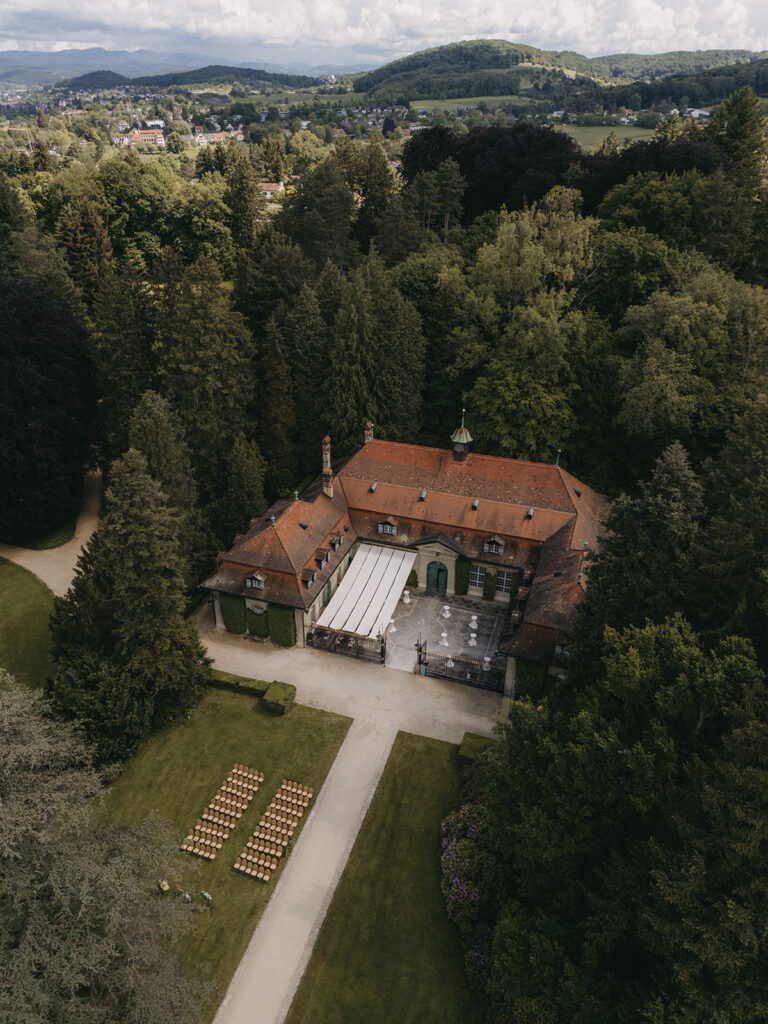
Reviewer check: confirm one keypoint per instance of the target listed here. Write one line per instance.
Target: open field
(25, 642)
(387, 951)
(175, 775)
(471, 101)
(589, 137)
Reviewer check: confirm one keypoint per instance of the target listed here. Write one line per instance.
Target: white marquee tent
(368, 594)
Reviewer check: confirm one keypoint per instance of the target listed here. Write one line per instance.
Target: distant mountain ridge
(40, 68)
(497, 67)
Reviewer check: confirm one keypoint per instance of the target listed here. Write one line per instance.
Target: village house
(144, 137)
(512, 533)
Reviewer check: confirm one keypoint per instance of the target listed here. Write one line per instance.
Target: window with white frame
(503, 582)
(493, 547)
(385, 527)
(255, 581)
(476, 575)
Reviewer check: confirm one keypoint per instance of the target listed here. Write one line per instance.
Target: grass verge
(387, 952)
(60, 535)
(590, 137)
(175, 775)
(25, 641)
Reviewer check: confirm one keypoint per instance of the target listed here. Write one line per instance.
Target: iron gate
(484, 675)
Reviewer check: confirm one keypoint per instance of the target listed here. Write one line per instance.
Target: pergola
(367, 596)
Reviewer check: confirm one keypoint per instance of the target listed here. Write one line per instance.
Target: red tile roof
(566, 515)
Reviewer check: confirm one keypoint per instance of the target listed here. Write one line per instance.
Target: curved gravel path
(56, 566)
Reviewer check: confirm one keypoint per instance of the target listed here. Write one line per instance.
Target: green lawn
(25, 607)
(61, 535)
(177, 772)
(387, 951)
(589, 137)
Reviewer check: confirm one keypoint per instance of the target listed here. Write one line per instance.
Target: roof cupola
(461, 439)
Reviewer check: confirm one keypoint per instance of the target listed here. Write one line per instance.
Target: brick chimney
(368, 432)
(327, 471)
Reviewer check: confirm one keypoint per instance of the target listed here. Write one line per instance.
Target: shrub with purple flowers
(463, 838)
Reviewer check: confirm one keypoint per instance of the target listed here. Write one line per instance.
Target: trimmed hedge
(257, 625)
(462, 576)
(238, 684)
(232, 612)
(472, 745)
(413, 579)
(489, 586)
(282, 625)
(279, 697)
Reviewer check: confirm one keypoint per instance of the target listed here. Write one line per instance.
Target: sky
(374, 31)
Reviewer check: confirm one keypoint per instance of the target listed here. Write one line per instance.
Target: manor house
(397, 515)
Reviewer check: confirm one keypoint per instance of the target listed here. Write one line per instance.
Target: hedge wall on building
(462, 576)
(257, 625)
(489, 586)
(232, 612)
(282, 625)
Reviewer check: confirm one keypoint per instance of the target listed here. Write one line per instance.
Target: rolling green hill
(496, 67)
(214, 74)
(95, 80)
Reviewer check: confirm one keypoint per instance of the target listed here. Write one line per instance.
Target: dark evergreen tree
(86, 245)
(277, 414)
(128, 660)
(348, 392)
(244, 200)
(243, 496)
(123, 335)
(47, 410)
(396, 355)
(329, 290)
(739, 129)
(269, 282)
(319, 216)
(307, 351)
(157, 433)
(646, 557)
(376, 183)
(730, 578)
(206, 367)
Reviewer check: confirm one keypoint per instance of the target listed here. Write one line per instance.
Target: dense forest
(160, 323)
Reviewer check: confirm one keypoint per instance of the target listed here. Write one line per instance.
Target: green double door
(437, 577)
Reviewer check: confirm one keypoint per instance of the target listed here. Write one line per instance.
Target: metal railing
(349, 644)
(481, 674)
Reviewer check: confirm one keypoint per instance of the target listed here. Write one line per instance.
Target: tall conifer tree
(277, 414)
(128, 660)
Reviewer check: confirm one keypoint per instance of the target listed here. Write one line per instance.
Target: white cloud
(377, 29)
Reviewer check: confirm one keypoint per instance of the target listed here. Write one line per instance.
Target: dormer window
(308, 577)
(321, 557)
(256, 581)
(336, 541)
(389, 526)
(494, 546)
